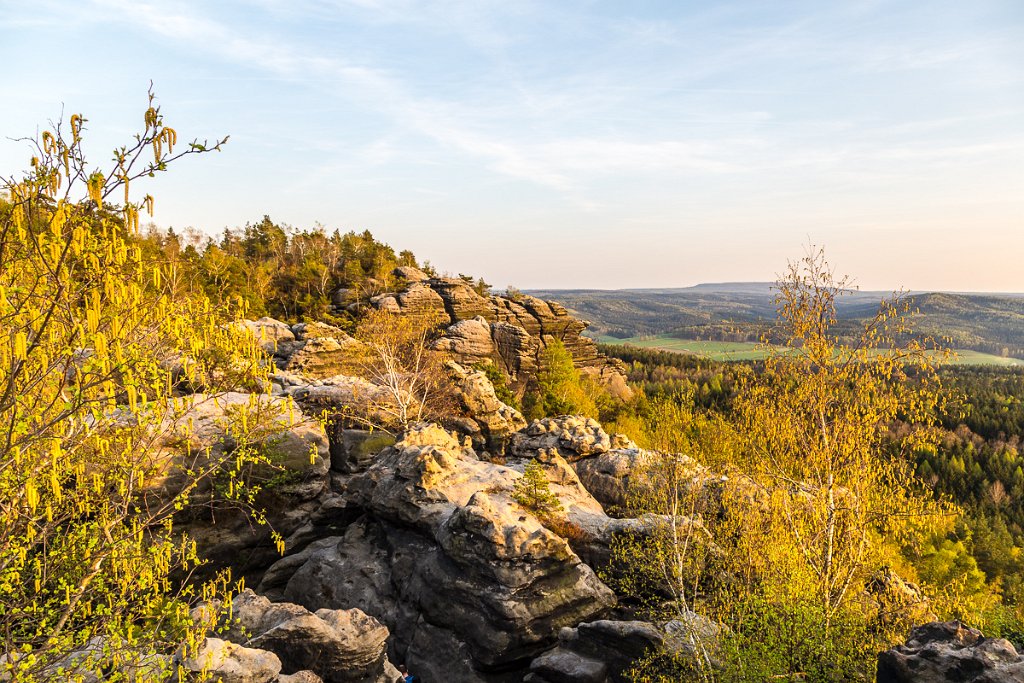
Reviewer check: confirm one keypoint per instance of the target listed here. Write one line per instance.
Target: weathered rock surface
(487, 420)
(231, 663)
(321, 356)
(574, 437)
(340, 646)
(339, 395)
(950, 651)
(602, 651)
(511, 332)
(411, 274)
(273, 335)
(607, 476)
(210, 425)
(446, 559)
(468, 340)
(204, 430)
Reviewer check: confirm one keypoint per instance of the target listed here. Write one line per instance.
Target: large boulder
(231, 663)
(468, 340)
(950, 651)
(274, 336)
(344, 398)
(573, 436)
(211, 425)
(410, 274)
(603, 651)
(203, 430)
(322, 356)
(445, 555)
(340, 645)
(482, 415)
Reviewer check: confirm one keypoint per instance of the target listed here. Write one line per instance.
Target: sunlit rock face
(511, 332)
(448, 561)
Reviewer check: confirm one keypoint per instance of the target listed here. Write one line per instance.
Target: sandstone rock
(319, 330)
(607, 475)
(270, 333)
(490, 421)
(461, 301)
(319, 357)
(352, 450)
(950, 651)
(340, 646)
(445, 545)
(468, 340)
(340, 396)
(386, 302)
(303, 677)
(208, 424)
(420, 299)
(573, 436)
(518, 329)
(517, 350)
(410, 274)
(231, 663)
(596, 652)
(202, 431)
(456, 665)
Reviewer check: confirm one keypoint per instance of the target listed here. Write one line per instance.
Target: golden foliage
(92, 348)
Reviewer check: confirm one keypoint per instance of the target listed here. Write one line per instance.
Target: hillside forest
(810, 507)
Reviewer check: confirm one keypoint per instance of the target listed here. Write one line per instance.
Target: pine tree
(533, 492)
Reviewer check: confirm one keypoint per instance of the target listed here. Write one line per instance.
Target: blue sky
(564, 143)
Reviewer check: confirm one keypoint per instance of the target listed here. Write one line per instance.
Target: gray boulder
(950, 651)
(339, 645)
(446, 555)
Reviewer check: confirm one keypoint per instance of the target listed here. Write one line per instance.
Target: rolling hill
(743, 311)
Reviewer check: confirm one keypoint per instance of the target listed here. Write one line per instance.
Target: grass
(740, 351)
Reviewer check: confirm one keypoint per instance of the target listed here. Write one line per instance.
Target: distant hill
(743, 311)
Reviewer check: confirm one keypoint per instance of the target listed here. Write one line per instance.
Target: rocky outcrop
(510, 331)
(321, 356)
(603, 651)
(311, 350)
(574, 437)
(341, 396)
(275, 337)
(897, 601)
(448, 561)
(468, 340)
(595, 652)
(951, 651)
(339, 646)
(488, 421)
(231, 663)
(204, 430)
(211, 426)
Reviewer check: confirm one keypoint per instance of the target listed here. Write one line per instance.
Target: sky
(566, 143)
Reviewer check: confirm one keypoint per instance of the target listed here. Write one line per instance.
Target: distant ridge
(742, 311)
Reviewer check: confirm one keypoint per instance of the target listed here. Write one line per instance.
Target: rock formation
(416, 551)
(508, 331)
(339, 646)
(448, 561)
(950, 651)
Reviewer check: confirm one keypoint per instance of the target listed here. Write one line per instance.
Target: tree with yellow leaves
(395, 351)
(817, 420)
(94, 349)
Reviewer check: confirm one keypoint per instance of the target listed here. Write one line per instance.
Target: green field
(738, 351)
